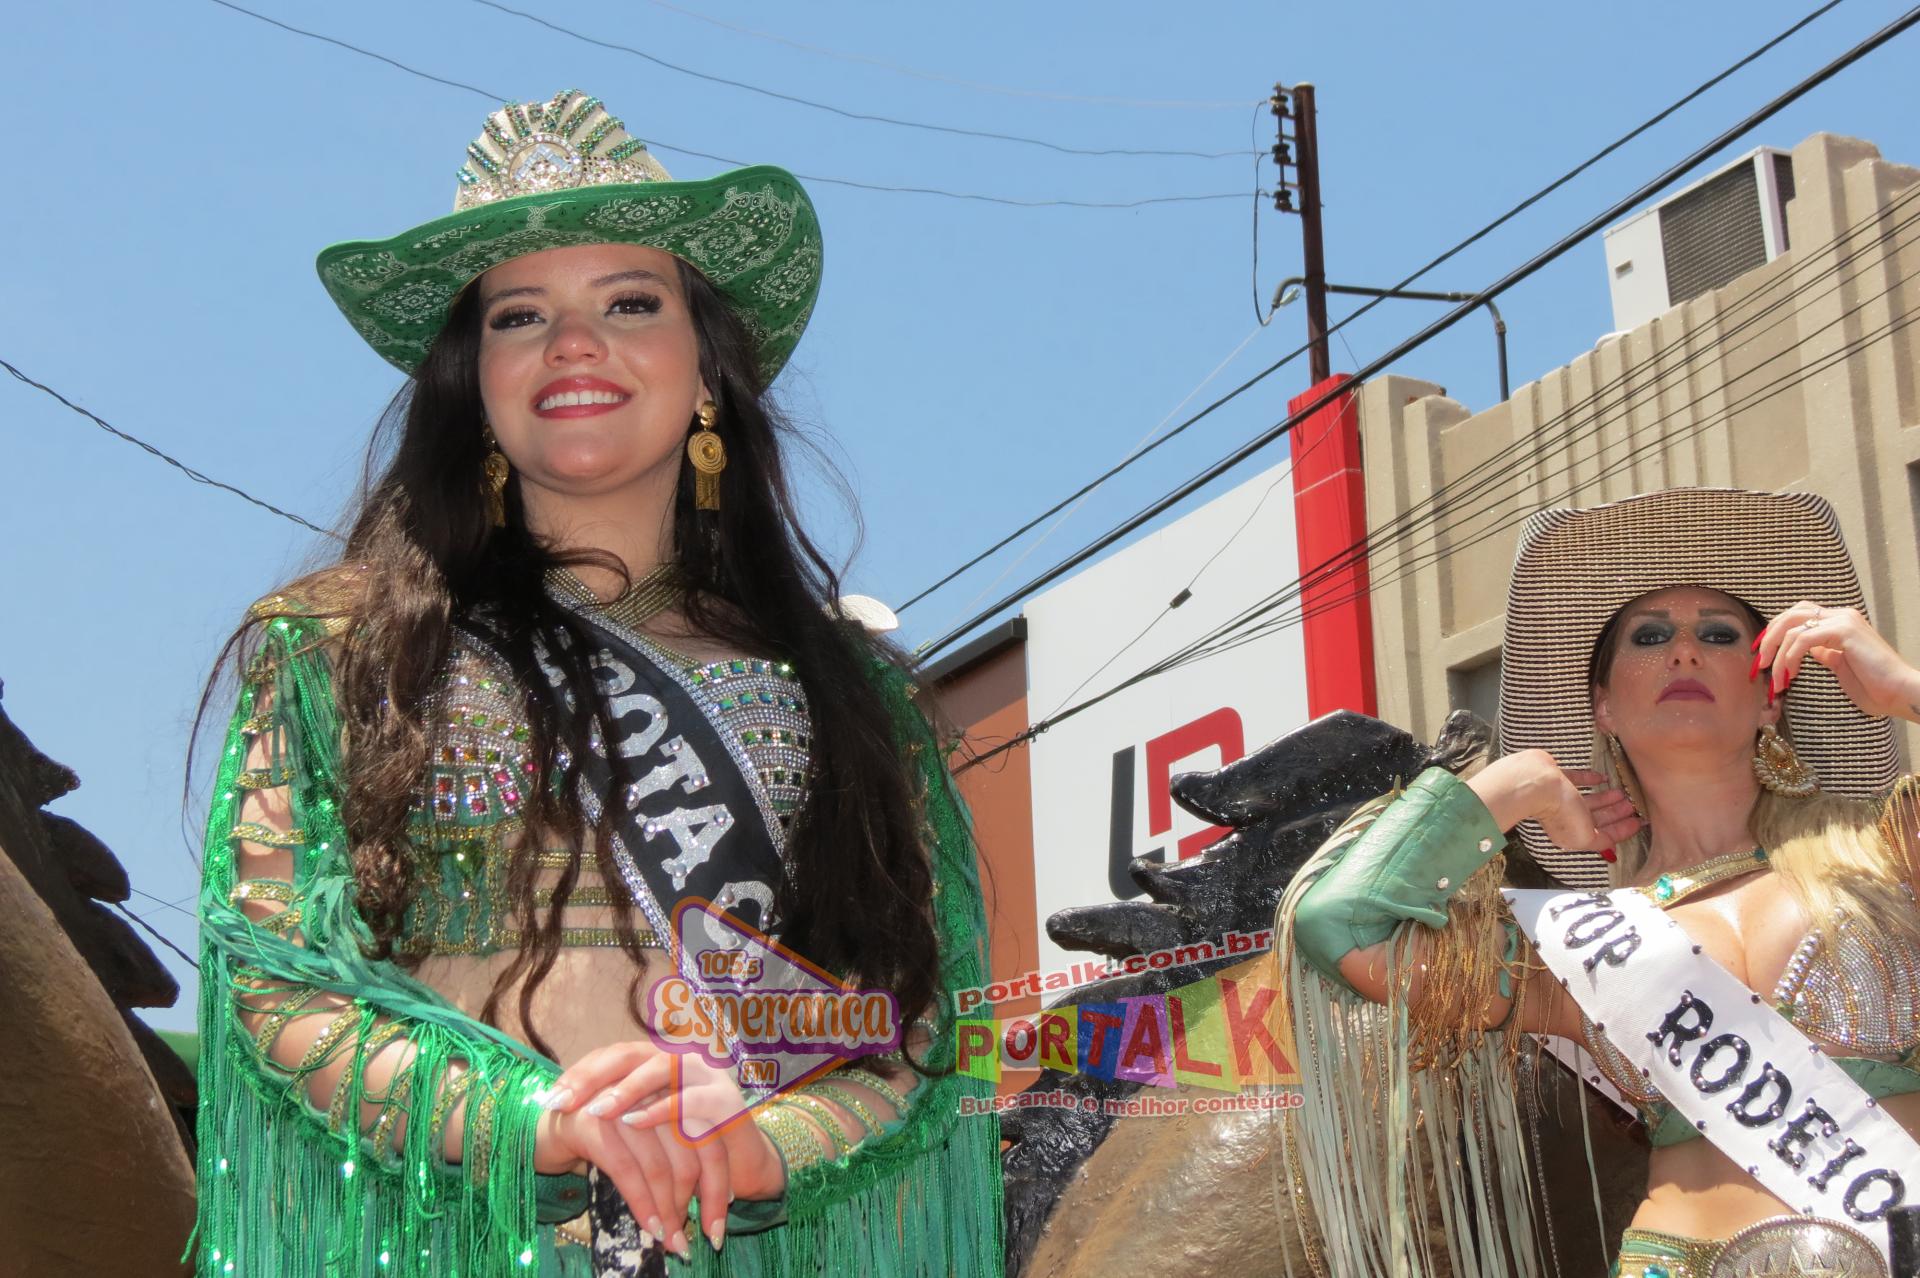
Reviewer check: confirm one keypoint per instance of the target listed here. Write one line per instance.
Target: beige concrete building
(1798, 374)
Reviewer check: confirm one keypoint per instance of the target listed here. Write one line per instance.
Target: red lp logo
(1219, 730)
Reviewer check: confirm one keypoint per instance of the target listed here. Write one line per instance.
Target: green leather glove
(1417, 853)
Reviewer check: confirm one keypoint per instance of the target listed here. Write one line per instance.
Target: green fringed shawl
(285, 1192)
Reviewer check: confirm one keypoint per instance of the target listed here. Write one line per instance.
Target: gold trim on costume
(1648, 1253)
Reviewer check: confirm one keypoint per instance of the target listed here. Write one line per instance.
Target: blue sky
(969, 363)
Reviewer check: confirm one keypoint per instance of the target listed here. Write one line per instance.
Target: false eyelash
(502, 320)
(647, 301)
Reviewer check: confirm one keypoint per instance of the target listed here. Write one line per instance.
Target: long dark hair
(421, 553)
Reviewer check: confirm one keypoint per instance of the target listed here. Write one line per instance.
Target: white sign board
(1100, 777)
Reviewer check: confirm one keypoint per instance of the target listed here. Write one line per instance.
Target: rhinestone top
(466, 811)
(1848, 987)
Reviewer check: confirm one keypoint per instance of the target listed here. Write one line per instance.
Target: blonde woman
(1697, 715)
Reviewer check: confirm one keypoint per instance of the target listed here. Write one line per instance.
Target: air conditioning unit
(1694, 241)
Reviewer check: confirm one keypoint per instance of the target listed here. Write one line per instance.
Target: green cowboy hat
(551, 174)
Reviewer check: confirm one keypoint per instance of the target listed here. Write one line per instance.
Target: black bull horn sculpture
(1089, 1192)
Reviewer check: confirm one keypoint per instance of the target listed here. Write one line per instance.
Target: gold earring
(708, 453)
(1778, 768)
(497, 470)
(1629, 781)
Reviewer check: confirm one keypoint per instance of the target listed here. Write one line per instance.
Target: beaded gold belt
(1648, 1253)
(1780, 1245)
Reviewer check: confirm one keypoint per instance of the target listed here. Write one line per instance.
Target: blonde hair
(1833, 853)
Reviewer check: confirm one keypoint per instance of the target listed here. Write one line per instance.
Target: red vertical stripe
(1330, 517)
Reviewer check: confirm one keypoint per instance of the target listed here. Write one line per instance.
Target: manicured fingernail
(655, 1229)
(679, 1246)
(1756, 642)
(716, 1233)
(1608, 854)
(600, 1106)
(631, 1118)
(559, 1098)
(1754, 672)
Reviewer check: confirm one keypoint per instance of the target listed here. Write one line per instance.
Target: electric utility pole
(1300, 152)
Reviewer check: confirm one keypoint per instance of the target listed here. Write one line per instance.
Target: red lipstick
(579, 396)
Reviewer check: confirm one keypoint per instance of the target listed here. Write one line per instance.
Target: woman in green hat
(576, 721)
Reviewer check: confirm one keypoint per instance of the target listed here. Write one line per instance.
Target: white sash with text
(1750, 1082)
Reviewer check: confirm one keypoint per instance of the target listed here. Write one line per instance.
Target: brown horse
(95, 1177)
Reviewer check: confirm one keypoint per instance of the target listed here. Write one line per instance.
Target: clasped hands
(619, 1109)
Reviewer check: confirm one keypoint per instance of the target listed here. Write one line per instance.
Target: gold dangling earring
(1629, 781)
(708, 453)
(497, 470)
(1778, 768)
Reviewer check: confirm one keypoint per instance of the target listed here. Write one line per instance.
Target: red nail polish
(1754, 672)
(1756, 641)
(1607, 854)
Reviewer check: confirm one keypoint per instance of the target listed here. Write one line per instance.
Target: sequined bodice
(466, 817)
(1847, 987)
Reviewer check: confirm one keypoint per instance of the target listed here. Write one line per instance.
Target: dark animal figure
(96, 1175)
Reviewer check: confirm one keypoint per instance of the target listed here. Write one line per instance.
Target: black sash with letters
(690, 817)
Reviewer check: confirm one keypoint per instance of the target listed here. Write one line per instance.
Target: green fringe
(281, 1193)
(937, 1214)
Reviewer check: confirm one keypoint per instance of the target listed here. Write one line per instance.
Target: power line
(1510, 519)
(1140, 444)
(1224, 638)
(1185, 593)
(977, 197)
(1445, 322)
(1214, 645)
(937, 77)
(1241, 630)
(196, 476)
(1568, 429)
(156, 934)
(177, 905)
(843, 112)
(1464, 244)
